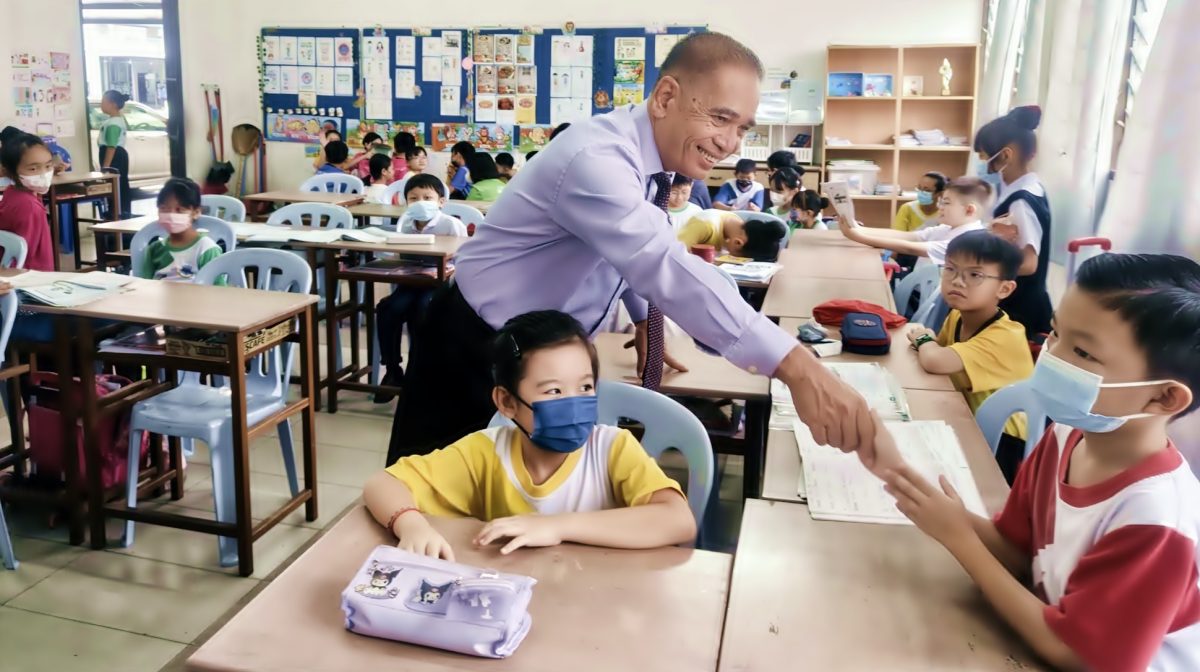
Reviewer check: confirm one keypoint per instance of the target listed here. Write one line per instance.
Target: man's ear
(505, 402)
(1173, 399)
(666, 93)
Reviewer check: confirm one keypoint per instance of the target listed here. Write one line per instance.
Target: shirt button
(753, 369)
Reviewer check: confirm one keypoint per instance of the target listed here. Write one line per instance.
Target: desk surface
(847, 263)
(296, 196)
(75, 178)
(443, 246)
(796, 296)
(125, 225)
(834, 238)
(369, 209)
(593, 609)
(708, 375)
(901, 361)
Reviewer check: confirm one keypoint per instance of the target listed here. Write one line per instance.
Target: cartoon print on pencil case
(381, 578)
(429, 593)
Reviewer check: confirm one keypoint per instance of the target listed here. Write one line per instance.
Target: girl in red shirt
(30, 164)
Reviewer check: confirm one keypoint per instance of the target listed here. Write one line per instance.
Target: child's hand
(1003, 227)
(522, 530)
(418, 536)
(917, 331)
(886, 456)
(938, 512)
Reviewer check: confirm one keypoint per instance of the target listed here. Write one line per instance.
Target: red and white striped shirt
(1116, 562)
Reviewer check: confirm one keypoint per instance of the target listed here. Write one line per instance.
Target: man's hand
(918, 330)
(835, 414)
(1004, 227)
(531, 530)
(638, 342)
(886, 456)
(938, 512)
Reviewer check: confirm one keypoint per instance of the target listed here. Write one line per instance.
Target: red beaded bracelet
(396, 516)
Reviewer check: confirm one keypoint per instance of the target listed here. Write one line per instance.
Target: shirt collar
(651, 160)
(1022, 182)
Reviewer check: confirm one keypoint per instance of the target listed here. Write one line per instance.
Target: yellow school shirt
(909, 217)
(483, 476)
(703, 229)
(996, 357)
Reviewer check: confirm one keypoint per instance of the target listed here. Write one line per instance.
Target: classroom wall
(46, 25)
(218, 41)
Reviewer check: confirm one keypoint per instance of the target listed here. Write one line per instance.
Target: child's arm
(665, 520)
(934, 358)
(900, 242)
(1016, 562)
(385, 495)
(109, 153)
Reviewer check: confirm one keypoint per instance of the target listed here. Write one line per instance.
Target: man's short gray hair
(700, 53)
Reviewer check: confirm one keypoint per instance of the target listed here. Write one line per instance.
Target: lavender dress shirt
(574, 231)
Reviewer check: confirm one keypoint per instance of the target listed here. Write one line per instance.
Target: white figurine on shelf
(947, 73)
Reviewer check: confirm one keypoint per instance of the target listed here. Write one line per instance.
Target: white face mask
(174, 222)
(777, 199)
(38, 184)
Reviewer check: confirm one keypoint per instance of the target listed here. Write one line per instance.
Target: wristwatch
(922, 340)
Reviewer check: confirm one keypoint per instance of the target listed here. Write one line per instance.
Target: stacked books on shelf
(931, 137)
(885, 190)
(907, 140)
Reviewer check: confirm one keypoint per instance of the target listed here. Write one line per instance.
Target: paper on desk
(756, 271)
(838, 193)
(282, 234)
(839, 487)
(830, 349)
(880, 388)
(90, 280)
(410, 238)
(247, 229)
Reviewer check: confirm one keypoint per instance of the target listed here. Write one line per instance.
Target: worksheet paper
(406, 83)
(325, 52)
(431, 68)
(839, 487)
(406, 51)
(877, 385)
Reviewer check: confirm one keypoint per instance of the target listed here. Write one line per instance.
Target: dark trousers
(402, 306)
(448, 384)
(120, 163)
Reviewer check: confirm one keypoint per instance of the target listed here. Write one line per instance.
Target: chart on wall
(41, 93)
(309, 79)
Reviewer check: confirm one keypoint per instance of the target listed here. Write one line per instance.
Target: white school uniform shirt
(372, 194)
(681, 216)
(442, 225)
(939, 238)
(1029, 229)
(741, 199)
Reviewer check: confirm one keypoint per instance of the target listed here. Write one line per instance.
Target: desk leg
(308, 419)
(68, 413)
(91, 447)
(115, 197)
(331, 332)
(311, 254)
(241, 457)
(55, 227)
(75, 231)
(101, 251)
(369, 315)
(757, 417)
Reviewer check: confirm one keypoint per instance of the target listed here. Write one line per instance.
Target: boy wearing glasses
(979, 347)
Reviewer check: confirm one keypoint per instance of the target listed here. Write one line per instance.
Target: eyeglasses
(970, 278)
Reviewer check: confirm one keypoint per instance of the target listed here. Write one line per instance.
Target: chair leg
(6, 548)
(376, 364)
(289, 456)
(131, 481)
(224, 498)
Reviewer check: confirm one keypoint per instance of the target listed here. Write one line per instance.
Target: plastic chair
(787, 230)
(925, 279)
(223, 207)
(219, 230)
(668, 425)
(15, 251)
(193, 411)
(469, 215)
(8, 313)
(333, 183)
(996, 410)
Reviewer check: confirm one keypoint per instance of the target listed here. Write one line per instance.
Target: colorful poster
(485, 78)
(406, 51)
(630, 49)
(506, 48)
(343, 51)
(630, 72)
(527, 79)
(506, 110)
(306, 51)
(271, 49)
(343, 81)
(506, 79)
(525, 49)
(356, 129)
(485, 49)
(445, 135)
(526, 110)
(325, 52)
(485, 107)
(534, 138)
(60, 60)
(299, 127)
(627, 94)
(287, 50)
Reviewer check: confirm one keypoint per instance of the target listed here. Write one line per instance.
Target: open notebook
(875, 383)
(66, 290)
(283, 234)
(838, 486)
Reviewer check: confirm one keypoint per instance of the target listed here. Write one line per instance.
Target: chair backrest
(15, 250)
(141, 240)
(223, 207)
(668, 425)
(466, 213)
(787, 230)
(996, 410)
(219, 230)
(8, 312)
(333, 183)
(322, 215)
(925, 279)
(278, 271)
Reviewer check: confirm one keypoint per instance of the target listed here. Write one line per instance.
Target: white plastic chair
(15, 251)
(8, 313)
(219, 230)
(193, 411)
(334, 183)
(468, 214)
(395, 190)
(223, 207)
(668, 425)
(787, 230)
(996, 410)
(926, 279)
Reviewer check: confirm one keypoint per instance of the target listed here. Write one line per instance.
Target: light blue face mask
(423, 211)
(1067, 394)
(983, 169)
(924, 197)
(563, 424)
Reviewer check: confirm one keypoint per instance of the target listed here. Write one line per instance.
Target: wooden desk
(105, 257)
(861, 263)
(70, 188)
(796, 296)
(592, 609)
(901, 361)
(203, 307)
(815, 237)
(256, 203)
(366, 210)
(708, 376)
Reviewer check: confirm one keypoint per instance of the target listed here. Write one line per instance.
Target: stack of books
(933, 137)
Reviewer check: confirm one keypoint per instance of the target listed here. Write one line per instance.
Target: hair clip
(516, 349)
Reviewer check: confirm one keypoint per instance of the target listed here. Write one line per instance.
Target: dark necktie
(652, 374)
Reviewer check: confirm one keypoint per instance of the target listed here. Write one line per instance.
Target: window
(107, 11)
(1143, 28)
(142, 120)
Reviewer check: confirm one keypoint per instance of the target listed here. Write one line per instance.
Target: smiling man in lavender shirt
(577, 230)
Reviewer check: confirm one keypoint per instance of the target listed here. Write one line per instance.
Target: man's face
(701, 119)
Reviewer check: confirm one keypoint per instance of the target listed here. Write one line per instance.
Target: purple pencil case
(445, 605)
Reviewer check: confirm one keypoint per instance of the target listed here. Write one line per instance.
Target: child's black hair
(377, 164)
(785, 178)
(412, 152)
(530, 155)
(505, 159)
(810, 201)
(680, 179)
(116, 98)
(782, 159)
(424, 181)
(525, 334)
(463, 149)
(1159, 296)
(939, 180)
(559, 129)
(745, 166)
(14, 148)
(986, 248)
(973, 189)
(404, 141)
(185, 192)
(482, 167)
(327, 132)
(371, 137)
(764, 237)
(9, 132)
(336, 152)
(1015, 128)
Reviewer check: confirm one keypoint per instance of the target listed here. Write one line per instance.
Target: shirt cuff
(761, 347)
(635, 305)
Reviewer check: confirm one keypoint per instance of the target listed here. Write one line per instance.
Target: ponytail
(1015, 128)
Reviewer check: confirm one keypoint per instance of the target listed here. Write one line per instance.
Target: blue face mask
(983, 169)
(1067, 393)
(563, 424)
(423, 211)
(924, 197)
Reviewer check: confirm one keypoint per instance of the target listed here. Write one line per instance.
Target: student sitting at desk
(327, 136)
(806, 209)
(758, 239)
(372, 145)
(30, 164)
(679, 208)
(743, 192)
(486, 184)
(185, 250)
(336, 155)
(379, 176)
(403, 143)
(979, 347)
(555, 476)
(1104, 516)
(457, 172)
(506, 166)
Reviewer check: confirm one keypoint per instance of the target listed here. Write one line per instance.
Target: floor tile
(179, 662)
(136, 595)
(342, 466)
(38, 642)
(268, 492)
(350, 429)
(38, 559)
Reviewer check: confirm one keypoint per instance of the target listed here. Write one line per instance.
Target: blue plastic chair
(334, 183)
(223, 207)
(926, 280)
(996, 410)
(787, 230)
(668, 425)
(15, 251)
(193, 411)
(8, 313)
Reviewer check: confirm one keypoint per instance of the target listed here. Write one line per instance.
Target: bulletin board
(309, 79)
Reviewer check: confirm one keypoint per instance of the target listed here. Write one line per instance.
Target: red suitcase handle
(1075, 245)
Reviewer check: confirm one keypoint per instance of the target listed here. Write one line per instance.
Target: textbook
(283, 234)
(67, 290)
